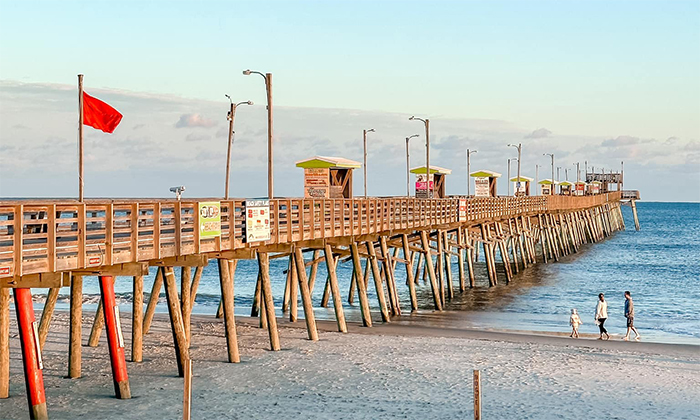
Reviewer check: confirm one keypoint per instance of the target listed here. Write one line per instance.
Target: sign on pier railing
(257, 220)
(209, 219)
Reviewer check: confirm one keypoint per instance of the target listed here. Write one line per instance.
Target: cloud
(194, 120)
(540, 133)
(197, 137)
(620, 141)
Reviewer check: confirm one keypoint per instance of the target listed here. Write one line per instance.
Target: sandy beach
(389, 371)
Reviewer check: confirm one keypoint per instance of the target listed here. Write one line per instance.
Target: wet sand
(388, 371)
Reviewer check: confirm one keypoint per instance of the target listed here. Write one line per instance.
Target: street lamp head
(371, 130)
(412, 117)
(250, 102)
(415, 135)
(246, 72)
(229, 98)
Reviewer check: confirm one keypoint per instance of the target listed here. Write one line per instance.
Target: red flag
(100, 115)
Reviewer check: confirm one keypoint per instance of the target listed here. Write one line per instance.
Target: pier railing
(43, 236)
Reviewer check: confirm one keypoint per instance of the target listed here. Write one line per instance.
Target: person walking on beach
(574, 321)
(629, 314)
(601, 314)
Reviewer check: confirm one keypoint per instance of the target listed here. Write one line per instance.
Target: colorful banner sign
(462, 209)
(209, 219)
(257, 220)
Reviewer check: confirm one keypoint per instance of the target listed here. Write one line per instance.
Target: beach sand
(388, 371)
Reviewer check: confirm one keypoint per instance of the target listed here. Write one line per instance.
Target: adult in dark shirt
(629, 314)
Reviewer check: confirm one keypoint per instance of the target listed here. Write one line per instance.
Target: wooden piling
(361, 291)
(98, 324)
(633, 204)
(185, 296)
(305, 295)
(440, 266)
(182, 354)
(153, 300)
(389, 277)
(408, 256)
(314, 270)
(187, 392)
(226, 283)
(448, 266)
(76, 327)
(460, 260)
(488, 256)
(431, 270)
(293, 291)
(334, 289)
(470, 266)
(137, 320)
(378, 285)
(264, 267)
(255, 307)
(46, 314)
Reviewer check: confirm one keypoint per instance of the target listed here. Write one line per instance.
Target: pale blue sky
(590, 69)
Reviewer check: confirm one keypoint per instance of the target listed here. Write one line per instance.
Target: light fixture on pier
(408, 164)
(230, 117)
(426, 122)
(268, 89)
(364, 161)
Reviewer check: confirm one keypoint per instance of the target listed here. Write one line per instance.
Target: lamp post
(268, 89)
(520, 149)
(578, 171)
(537, 177)
(364, 146)
(509, 161)
(566, 174)
(552, 156)
(426, 122)
(469, 152)
(231, 116)
(408, 167)
(558, 172)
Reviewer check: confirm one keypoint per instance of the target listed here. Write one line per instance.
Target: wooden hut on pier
(548, 186)
(485, 183)
(565, 187)
(524, 185)
(434, 187)
(580, 188)
(328, 177)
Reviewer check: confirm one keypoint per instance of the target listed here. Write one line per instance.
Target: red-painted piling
(31, 354)
(115, 339)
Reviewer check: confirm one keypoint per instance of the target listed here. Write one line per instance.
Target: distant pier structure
(55, 243)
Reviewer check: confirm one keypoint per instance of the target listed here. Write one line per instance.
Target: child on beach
(574, 321)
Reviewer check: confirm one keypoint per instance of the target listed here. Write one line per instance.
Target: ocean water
(660, 265)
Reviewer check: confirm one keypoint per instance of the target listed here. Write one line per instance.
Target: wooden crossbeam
(126, 269)
(49, 280)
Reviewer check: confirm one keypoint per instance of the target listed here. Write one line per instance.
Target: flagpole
(81, 183)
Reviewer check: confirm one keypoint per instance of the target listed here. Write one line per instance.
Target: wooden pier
(50, 243)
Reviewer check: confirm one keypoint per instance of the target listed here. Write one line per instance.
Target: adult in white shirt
(601, 314)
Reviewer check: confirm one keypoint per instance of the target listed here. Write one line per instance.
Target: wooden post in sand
(4, 343)
(46, 314)
(477, 395)
(409, 272)
(293, 288)
(361, 290)
(185, 296)
(182, 353)
(305, 295)
(269, 306)
(137, 321)
(76, 326)
(187, 392)
(97, 324)
(431, 269)
(334, 289)
(378, 285)
(153, 301)
(226, 283)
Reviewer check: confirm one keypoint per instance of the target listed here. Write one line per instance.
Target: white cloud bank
(168, 140)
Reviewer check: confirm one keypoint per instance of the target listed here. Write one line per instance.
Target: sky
(590, 81)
